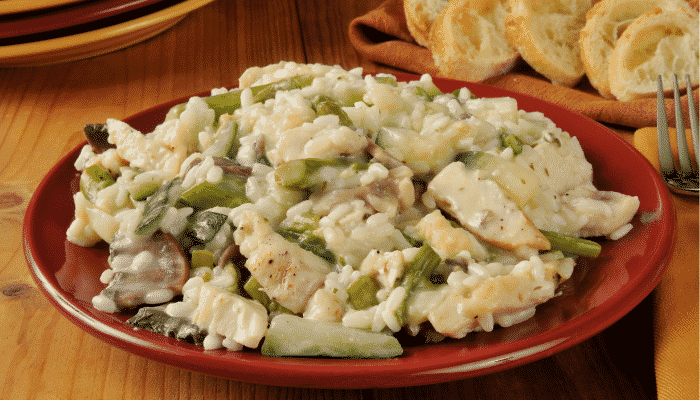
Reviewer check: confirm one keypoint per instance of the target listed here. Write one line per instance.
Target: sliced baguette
(659, 42)
(468, 40)
(605, 23)
(546, 34)
(420, 15)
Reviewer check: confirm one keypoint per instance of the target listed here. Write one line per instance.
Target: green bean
(363, 292)
(573, 245)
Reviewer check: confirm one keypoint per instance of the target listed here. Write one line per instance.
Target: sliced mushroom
(145, 271)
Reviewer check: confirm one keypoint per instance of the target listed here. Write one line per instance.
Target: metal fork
(683, 180)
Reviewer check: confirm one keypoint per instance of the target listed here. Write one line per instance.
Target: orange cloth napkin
(676, 297)
(383, 36)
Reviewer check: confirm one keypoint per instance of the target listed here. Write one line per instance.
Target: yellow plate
(18, 6)
(100, 41)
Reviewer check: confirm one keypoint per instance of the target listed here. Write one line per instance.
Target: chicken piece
(483, 209)
(288, 274)
(236, 318)
(604, 212)
(449, 241)
(530, 283)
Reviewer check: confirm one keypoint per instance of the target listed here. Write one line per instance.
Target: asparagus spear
(256, 292)
(290, 335)
(417, 271)
(573, 245)
(229, 102)
(363, 292)
(93, 179)
(206, 224)
(324, 105)
(230, 192)
(156, 206)
(303, 174)
(512, 141)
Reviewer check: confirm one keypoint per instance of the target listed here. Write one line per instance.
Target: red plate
(599, 293)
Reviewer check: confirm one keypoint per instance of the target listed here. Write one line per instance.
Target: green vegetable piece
(363, 292)
(256, 292)
(324, 105)
(302, 174)
(206, 224)
(265, 92)
(292, 336)
(512, 141)
(156, 206)
(230, 192)
(202, 258)
(310, 242)
(573, 245)
(141, 192)
(225, 144)
(227, 103)
(388, 80)
(93, 179)
(416, 272)
(427, 94)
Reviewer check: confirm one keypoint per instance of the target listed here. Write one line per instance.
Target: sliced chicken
(529, 284)
(288, 274)
(483, 209)
(602, 212)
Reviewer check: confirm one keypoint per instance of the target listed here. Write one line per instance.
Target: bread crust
(420, 16)
(546, 34)
(468, 42)
(605, 23)
(659, 42)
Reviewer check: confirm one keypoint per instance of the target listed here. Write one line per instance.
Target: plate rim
(548, 343)
(98, 41)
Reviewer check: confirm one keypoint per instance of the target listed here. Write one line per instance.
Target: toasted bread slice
(659, 42)
(420, 15)
(468, 42)
(546, 34)
(605, 23)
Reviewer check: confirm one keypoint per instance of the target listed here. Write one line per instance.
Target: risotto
(315, 211)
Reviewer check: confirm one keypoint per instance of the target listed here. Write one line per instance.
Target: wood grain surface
(42, 112)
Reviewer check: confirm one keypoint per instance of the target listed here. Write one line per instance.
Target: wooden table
(42, 112)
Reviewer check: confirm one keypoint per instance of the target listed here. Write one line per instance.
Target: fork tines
(685, 178)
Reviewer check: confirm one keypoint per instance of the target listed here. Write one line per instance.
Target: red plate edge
(322, 373)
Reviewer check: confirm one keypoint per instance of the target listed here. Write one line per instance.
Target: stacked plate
(42, 32)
